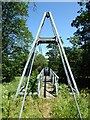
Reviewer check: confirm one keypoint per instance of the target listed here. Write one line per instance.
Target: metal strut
(31, 57)
(27, 85)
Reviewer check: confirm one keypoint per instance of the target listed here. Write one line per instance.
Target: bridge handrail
(55, 80)
(39, 75)
(54, 73)
(39, 81)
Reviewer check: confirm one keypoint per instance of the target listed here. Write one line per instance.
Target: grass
(62, 106)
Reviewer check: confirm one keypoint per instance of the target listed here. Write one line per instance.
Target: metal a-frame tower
(29, 64)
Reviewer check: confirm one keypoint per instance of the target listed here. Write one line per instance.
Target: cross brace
(46, 40)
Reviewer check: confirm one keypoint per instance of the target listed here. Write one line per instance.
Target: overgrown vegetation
(16, 38)
(62, 106)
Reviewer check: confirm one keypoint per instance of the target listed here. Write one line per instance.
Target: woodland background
(16, 43)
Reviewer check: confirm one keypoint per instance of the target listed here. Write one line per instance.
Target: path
(46, 87)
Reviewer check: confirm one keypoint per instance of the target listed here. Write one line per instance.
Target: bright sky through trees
(63, 14)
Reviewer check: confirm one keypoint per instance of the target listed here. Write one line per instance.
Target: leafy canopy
(16, 38)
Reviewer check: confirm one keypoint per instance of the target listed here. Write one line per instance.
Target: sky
(63, 13)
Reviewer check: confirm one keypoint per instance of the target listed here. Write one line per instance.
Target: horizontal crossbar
(46, 40)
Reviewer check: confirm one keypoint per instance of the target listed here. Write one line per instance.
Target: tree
(74, 54)
(53, 57)
(40, 62)
(55, 62)
(16, 38)
(82, 23)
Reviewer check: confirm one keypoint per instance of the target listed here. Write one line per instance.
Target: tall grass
(62, 106)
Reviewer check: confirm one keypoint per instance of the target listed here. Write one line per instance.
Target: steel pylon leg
(27, 85)
(30, 54)
(32, 50)
(64, 59)
(63, 51)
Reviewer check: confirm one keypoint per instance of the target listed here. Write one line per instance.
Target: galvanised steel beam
(63, 51)
(46, 40)
(30, 54)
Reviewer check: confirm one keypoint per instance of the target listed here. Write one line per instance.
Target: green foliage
(33, 81)
(9, 90)
(15, 38)
(75, 41)
(40, 62)
(74, 56)
(82, 23)
(8, 93)
(64, 105)
(54, 60)
(11, 108)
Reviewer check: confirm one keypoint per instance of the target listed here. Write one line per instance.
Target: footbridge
(47, 83)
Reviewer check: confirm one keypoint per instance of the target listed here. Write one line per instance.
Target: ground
(62, 106)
